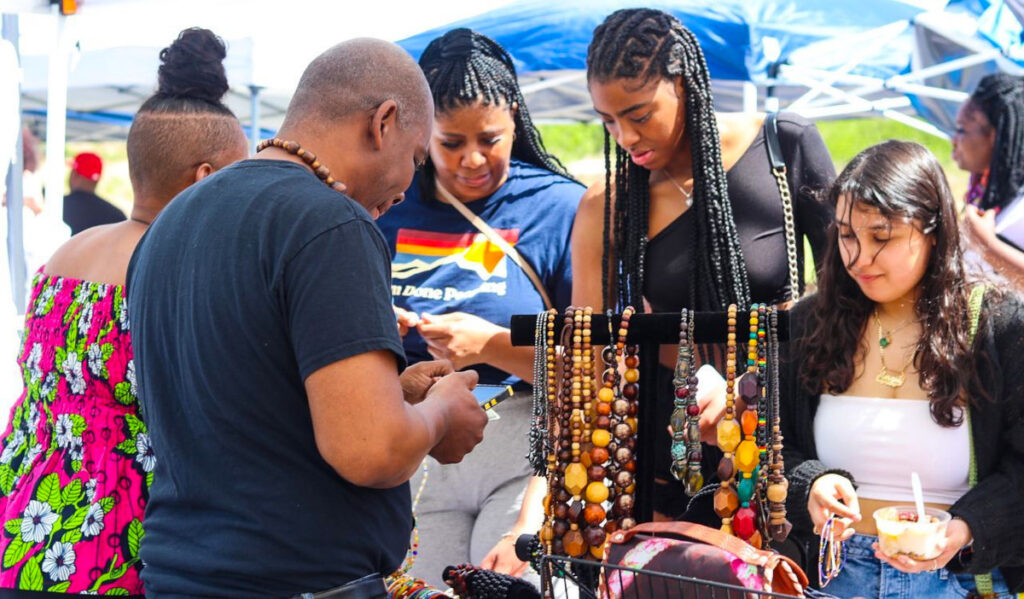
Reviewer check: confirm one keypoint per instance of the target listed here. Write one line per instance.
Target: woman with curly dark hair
(891, 378)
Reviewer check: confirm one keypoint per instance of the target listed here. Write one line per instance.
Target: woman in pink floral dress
(75, 460)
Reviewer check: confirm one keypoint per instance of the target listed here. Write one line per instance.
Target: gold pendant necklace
(889, 378)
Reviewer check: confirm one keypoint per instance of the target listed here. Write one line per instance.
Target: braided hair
(464, 68)
(644, 45)
(1000, 97)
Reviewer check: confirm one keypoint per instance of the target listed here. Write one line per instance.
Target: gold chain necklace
(889, 378)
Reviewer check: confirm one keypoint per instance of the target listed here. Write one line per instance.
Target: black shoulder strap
(771, 137)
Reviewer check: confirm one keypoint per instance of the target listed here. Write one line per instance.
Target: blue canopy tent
(741, 39)
(818, 57)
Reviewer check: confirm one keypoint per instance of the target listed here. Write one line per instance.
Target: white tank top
(881, 441)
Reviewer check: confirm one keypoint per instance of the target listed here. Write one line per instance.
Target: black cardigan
(994, 509)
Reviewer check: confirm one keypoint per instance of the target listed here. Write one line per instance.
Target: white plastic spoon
(915, 484)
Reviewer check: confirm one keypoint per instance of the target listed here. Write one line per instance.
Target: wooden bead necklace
(728, 432)
(623, 448)
(292, 147)
(575, 480)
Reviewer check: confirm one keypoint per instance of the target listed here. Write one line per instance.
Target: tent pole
(749, 97)
(254, 118)
(15, 232)
(56, 122)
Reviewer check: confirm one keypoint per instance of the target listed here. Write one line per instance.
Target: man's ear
(203, 170)
(383, 123)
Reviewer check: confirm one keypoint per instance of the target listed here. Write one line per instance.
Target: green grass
(577, 142)
(572, 142)
(844, 138)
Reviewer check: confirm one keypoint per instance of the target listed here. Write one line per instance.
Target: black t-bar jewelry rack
(649, 331)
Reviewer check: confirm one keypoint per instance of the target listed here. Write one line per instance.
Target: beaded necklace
(559, 495)
(575, 480)
(778, 485)
(544, 387)
(686, 450)
(321, 171)
(400, 585)
(625, 409)
(744, 523)
(728, 432)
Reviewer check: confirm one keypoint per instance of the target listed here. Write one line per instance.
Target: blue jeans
(864, 575)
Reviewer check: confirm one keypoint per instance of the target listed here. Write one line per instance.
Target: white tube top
(881, 441)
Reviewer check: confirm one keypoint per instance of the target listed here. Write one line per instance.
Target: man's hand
(464, 418)
(419, 378)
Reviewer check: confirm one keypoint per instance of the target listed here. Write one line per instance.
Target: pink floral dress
(75, 460)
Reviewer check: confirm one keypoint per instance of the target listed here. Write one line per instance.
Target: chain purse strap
(982, 582)
(497, 240)
(778, 164)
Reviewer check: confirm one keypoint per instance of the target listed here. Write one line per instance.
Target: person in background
(76, 461)
(989, 144)
(82, 207)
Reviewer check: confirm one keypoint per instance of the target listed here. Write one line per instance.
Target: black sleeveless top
(757, 210)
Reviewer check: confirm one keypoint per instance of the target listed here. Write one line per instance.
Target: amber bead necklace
(575, 480)
(728, 433)
(292, 147)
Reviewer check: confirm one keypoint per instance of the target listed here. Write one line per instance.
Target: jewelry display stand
(648, 331)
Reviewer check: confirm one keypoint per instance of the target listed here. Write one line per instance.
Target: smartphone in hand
(489, 396)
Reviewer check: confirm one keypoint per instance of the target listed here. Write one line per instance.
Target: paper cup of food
(900, 532)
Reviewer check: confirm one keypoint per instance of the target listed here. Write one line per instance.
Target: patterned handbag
(696, 551)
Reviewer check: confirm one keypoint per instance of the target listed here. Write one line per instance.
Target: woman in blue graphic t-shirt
(455, 291)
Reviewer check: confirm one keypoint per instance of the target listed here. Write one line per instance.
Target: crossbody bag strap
(778, 164)
(982, 582)
(497, 240)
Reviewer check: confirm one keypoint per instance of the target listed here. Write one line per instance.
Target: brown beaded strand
(547, 532)
(292, 147)
(563, 448)
(575, 472)
(624, 432)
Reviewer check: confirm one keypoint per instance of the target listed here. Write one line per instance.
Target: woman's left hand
(458, 337)
(981, 227)
(958, 535)
(502, 558)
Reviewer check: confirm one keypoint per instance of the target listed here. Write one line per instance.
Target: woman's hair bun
(193, 67)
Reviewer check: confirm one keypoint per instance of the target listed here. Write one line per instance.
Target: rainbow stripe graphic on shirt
(417, 252)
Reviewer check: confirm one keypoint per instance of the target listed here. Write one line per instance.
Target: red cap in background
(88, 165)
